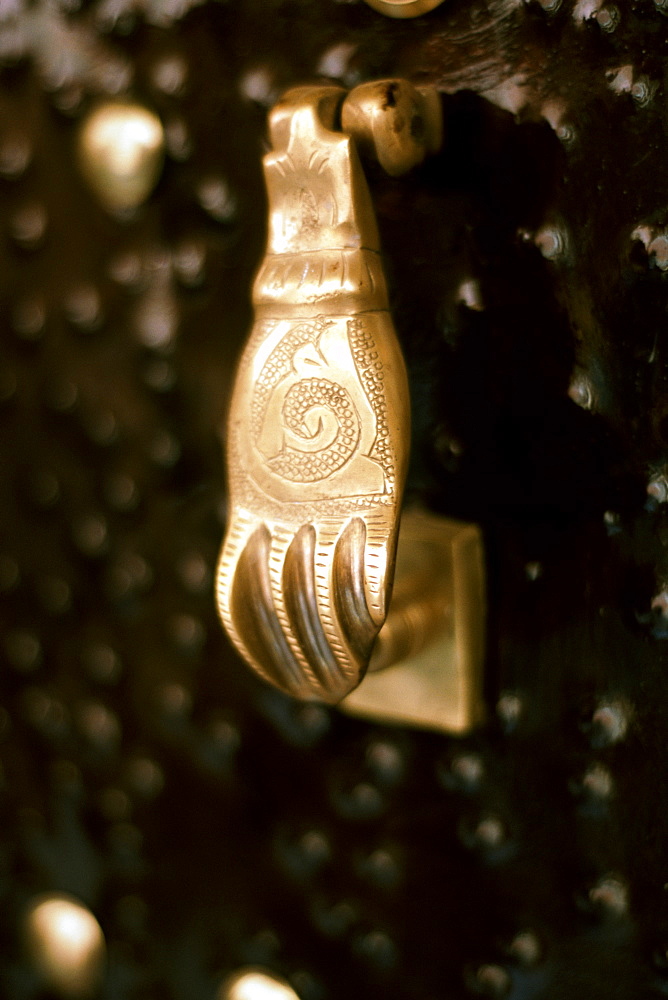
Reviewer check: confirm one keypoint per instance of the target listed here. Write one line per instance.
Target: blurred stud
(404, 8)
(255, 984)
(121, 148)
(66, 945)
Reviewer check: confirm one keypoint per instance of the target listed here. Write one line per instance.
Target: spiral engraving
(320, 420)
(312, 417)
(278, 367)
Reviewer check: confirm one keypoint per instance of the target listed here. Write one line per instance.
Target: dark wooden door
(207, 821)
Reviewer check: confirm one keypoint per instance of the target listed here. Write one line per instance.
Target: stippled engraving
(317, 413)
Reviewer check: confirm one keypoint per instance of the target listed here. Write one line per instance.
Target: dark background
(209, 822)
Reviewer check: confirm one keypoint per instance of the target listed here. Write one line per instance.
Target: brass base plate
(440, 686)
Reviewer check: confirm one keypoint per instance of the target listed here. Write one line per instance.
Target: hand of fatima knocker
(318, 430)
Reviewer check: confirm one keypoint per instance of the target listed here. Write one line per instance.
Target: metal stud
(255, 984)
(66, 945)
(404, 8)
(121, 147)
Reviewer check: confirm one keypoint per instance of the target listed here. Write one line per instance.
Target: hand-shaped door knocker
(318, 432)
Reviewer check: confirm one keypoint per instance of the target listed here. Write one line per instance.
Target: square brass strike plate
(438, 685)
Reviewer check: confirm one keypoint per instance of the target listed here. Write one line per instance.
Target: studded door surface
(208, 822)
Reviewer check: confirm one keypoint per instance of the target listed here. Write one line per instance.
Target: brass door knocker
(318, 439)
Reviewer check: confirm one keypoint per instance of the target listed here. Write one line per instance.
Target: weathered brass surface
(318, 431)
(427, 665)
(121, 147)
(404, 8)
(397, 123)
